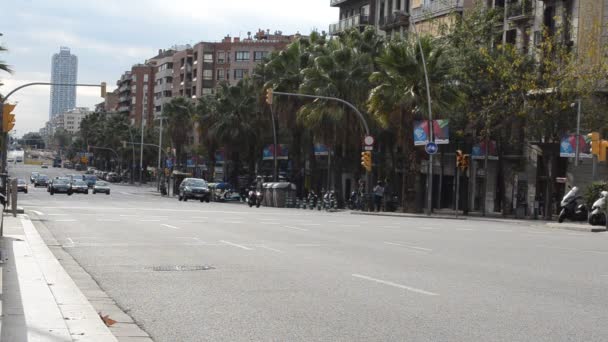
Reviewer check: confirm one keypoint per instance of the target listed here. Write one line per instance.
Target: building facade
(64, 70)
(73, 117)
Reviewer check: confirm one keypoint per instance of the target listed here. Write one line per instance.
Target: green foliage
(592, 192)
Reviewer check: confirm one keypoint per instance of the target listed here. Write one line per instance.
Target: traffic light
(459, 158)
(465, 162)
(269, 96)
(103, 89)
(603, 146)
(8, 119)
(366, 160)
(595, 142)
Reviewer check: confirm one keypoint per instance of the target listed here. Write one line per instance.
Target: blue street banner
(282, 152)
(441, 132)
(321, 150)
(567, 146)
(479, 150)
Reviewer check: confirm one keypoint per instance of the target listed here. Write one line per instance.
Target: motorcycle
(329, 201)
(254, 198)
(312, 200)
(571, 209)
(354, 202)
(597, 216)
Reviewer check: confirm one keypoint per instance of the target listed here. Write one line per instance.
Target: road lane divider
(236, 245)
(296, 228)
(409, 246)
(169, 226)
(39, 213)
(390, 283)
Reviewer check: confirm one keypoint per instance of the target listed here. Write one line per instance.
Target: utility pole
(578, 132)
(160, 147)
(141, 152)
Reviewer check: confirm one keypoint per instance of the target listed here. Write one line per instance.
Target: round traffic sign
(368, 140)
(431, 148)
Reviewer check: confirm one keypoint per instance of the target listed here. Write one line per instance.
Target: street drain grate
(182, 268)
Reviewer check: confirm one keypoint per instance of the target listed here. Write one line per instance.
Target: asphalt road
(301, 275)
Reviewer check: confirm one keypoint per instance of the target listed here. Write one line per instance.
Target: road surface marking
(107, 220)
(231, 222)
(69, 220)
(235, 245)
(70, 240)
(390, 283)
(307, 245)
(350, 225)
(311, 224)
(270, 223)
(270, 249)
(408, 246)
(389, 226)
(502, 230)
(169, 226)
(124, 193)
(427, 228)
(149, 220)
(575, 234)
(200, 217)
(128, 215)
(192, 238)
(464, 229)
(296, 228)
(58, 214)
(269, 219)
(39, 213)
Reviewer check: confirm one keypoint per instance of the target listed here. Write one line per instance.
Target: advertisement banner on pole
(219, 156)
(479, 150)
(567, 146)
(441, 132)
(321, 150)
(282, 152)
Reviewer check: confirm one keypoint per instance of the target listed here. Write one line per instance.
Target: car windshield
(60, 181)
(101, 184)
(79, 182)
(199, 183)
(20, 181)
(90, 177)
(44, 177)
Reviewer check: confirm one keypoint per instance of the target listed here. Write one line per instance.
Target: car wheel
(185, 199)
(179, 198)
(86, 192)
(25, 191)
(207, 199)
(107, 193)
(202, 200)
(94, 192)
(52, 193)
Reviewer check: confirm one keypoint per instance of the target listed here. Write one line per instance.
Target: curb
(449, 217)
(576, 227)
(19, 210)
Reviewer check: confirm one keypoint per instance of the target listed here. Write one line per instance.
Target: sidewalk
(40, 301)
(583, 227)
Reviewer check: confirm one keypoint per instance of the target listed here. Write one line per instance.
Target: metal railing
(348, 23)
(435, 8)
(522, 9)
(395, 19)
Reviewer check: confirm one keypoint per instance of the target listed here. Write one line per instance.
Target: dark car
(194, 188)
(80, 167)
(80, 187)
(101, 187)
(41, 180)
(68, 165)
(33, 176)
(90, 180)
(21, 185)
(61, 186)
(113, 177)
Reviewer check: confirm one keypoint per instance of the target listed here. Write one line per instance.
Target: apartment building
(163, 78)
(73, 117)
(109, 104)
(353, 14)
(136, 93)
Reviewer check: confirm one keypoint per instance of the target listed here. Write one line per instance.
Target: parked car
(33, 176)
(102, 187)
(194, 188)
(60, 185)
(90, 180)
(80, 187)
(68, 165)
(21, 185)
(79, 167)
(41, 180)
(113, 177)
(44, 166)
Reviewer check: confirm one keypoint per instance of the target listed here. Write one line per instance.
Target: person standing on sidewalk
(378, 195)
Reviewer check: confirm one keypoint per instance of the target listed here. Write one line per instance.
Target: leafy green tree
(32, 139)
(179, 113)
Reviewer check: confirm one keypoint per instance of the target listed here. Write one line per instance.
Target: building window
(239, 74)
(221, 74)
(207, 74)
(241, 56)
(207, 91)
(259, 55)
(145, 77)
(134, 78)
(221, 57)
(208, 58)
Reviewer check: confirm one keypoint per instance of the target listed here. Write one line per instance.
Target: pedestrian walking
(378, 195)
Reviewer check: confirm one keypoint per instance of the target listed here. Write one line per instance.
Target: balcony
(436, 9)
(394, 20)
(124, 109)
(334, 3)
(348, 23)
(523, 10)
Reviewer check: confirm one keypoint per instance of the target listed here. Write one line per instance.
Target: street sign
(368, 140)
(561, 180)
(431, 148)
(368, 148)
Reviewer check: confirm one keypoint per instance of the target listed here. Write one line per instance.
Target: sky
(110, 36)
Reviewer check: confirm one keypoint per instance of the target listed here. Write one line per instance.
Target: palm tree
(400, 96)
(179, 113)
(3, 65)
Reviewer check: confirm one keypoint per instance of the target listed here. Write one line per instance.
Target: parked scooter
(597, 216)
(354, 202)
(329, 200)
(571, 209)
(312, 200)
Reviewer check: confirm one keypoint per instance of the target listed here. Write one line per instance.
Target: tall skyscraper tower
(64, 69)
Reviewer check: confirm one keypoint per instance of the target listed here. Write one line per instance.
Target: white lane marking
(231, 222)
(235, 245)
(575, 234)
(270, 249)
(128, 215)
(200, 217)
(190, 237)
(169, 226)
(296, 228)
(350, 225)
(311, 224)
(390, 283)
(464, 229)
(427, 228)
(389, 226)
(149, 220)
(334, 221)
(70, 240)
(157, 217)
(502, 230)
(409, 246)
(39, 213)
(68, 220)
(270, 223)
(124, 193)
(107, 220)
(269, 219)
(57, 214)
(307, 245)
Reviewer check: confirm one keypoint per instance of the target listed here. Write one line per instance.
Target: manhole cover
(182, 268)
